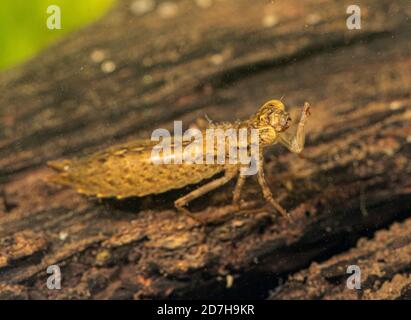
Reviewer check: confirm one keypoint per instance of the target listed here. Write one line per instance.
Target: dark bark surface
(384, 263)
(224, 61)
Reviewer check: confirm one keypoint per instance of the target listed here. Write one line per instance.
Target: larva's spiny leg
(266, 190)
(183, 201)
(237, 190)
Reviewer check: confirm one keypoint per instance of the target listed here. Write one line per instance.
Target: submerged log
(382, 265)
(121, 78)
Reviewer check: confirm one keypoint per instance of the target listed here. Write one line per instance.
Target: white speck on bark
(108, 66)
(98, 55)
(313, 19)
(204, 3)
(167, 9)
(63, 235)
(147, 79)
(229, 281)
(395, 105)
(140, 7)
(270, 20)
(217, 59)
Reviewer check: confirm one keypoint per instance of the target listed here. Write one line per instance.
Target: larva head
(270, 120)
(272, 114)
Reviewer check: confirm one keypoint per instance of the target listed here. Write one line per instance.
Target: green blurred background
(23, 29)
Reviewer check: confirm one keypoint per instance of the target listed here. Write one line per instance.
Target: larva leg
(296, 143)
(237, 190)
(183, 201)
(267, 192)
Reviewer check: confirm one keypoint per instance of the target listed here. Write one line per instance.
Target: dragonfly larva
(127, 170)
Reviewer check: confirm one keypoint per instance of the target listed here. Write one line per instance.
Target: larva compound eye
(280, 120)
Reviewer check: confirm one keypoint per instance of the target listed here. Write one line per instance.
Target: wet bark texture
(128, 74)
(383, 271)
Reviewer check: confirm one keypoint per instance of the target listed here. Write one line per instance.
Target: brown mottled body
(128, 170)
